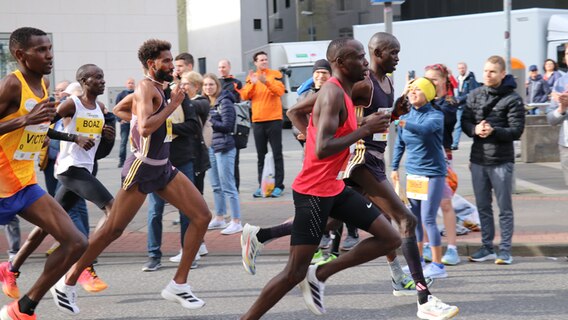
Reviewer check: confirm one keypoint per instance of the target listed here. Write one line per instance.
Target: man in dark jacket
(537, 88)
(124, 125)
(494, 116)
(466, 84)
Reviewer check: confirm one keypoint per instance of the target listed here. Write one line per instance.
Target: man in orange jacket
(264, 89)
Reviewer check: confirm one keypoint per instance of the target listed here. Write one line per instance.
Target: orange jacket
(265, 97)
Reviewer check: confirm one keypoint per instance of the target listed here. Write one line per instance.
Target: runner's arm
(148, 120)
(299, 112)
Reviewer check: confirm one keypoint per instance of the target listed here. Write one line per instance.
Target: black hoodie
(503, 108)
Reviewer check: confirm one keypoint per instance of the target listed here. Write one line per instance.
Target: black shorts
(77, 183)
(374, 165)
(149, 178)
(312, 213)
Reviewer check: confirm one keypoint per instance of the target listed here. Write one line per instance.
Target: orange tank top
(20, 148)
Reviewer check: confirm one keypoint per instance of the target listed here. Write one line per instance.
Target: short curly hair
(20, 38)
(151, 49)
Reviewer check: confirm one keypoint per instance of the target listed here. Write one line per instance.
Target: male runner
(319, 194)
(148, 170)
(24, 121)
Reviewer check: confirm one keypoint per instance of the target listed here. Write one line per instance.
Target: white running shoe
(435, 272)
(232, 228)
(203, 249)
(182, 294)
(65, 297)
(177, 258)
(250, 247)
(216, 224)
(435, 309)
(312, 290)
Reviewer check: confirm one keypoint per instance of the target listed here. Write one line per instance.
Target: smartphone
(411, 74)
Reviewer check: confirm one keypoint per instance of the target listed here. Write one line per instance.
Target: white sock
(396, 270)
(178, 286)
(452, 246)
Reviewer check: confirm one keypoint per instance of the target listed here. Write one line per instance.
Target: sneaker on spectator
(257, 193)
(203, 249)
(483, 254)
(232, 228)
(250, 248)
(325, 242)
(434, 271)
(435, 309)
(427, 253)
(217, 224)
(90, 281)
(276, 193)
(177, 257)
(12, 312)
(182, 294)
(349, 243)
(8, 279)
(406, 269)
(152, 264)
(312, 291)
(194, 264)
(504, 257)
(451, 257)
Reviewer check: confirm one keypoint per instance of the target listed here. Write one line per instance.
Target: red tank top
(319, 176)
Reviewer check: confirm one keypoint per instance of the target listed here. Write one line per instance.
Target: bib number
(90, 127)
(31, 142)
(417, 187)
(169, 130)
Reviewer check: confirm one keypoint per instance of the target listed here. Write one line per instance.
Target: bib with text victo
(169, 130)
(89, 124)
(31, 142)
(417, 187)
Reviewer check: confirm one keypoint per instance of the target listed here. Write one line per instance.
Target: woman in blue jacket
(222, 155)
(421, 133)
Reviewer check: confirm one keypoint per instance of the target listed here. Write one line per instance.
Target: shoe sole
(447, 263)
(404, 293)
(306, 293)
(488, 257)
(425, 316)
(173, 298)
(503, 262)
(244, 252)
(232, 232)
(146, 269)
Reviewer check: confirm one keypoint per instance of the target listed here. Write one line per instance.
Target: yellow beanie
(426, 86)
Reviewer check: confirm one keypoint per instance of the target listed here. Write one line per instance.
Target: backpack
(242, 124)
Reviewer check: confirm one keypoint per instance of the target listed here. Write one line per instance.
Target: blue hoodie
(422, 137)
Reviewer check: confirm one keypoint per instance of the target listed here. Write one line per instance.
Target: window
(202, 63)
(342, 5)
(274, 6)
(257, 24)
(287, 3)
(346, 33)
(562, 63)
(278, 24)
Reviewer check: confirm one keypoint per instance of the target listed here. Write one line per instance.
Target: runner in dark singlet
(149, 170)
(319, 195)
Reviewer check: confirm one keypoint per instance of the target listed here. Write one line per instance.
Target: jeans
(264, 133)
(124, 133)
(427, 210)
(498, 178)
(80, 216)
(12, 230)
(458, 128)
(50, 180)
(155, 213)
(222, 180)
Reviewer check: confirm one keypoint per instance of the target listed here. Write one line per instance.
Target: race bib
(417, 187)
(169, 130)
(383, 136)
(31, 142)
(89, 125)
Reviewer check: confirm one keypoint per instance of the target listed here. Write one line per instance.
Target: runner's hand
(42, 112)
(177, 95)
(108, 132)
(377, 122)
(84, 142)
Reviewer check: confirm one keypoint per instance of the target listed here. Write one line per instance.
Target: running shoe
(329, 258)
(12, 312)
(406, 269)
(203, 249)
(504, 257)
(177, 257)
(90, 281)
(8, 279)
(483, 254)
(312, 291)
(318, 257)
(232, 228)
(427, 253)
(349, 243)
(325, 242)
(451, 257)
(65, 297)
(434, 271)
(152, 264)
(182, 294)
(276, 193)
(435, 309)
(217, 224)
(407, 287)
(250, 248)
(257, 193)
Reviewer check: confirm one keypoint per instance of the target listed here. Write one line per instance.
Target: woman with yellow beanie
(420, 132)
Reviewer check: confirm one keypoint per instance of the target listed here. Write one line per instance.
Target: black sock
(27, 306)
(12, 269)
(412, 257)
(281, 230)
(336, 240)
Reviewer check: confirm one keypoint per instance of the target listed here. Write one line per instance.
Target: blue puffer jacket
(223, 117)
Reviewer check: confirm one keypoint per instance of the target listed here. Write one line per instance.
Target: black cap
(533, 68)
(322, 64)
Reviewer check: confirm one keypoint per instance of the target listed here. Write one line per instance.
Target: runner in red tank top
(317, 193)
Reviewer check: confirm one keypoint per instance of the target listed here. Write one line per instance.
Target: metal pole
(387, 11)
(313, 36)
(507, 10)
